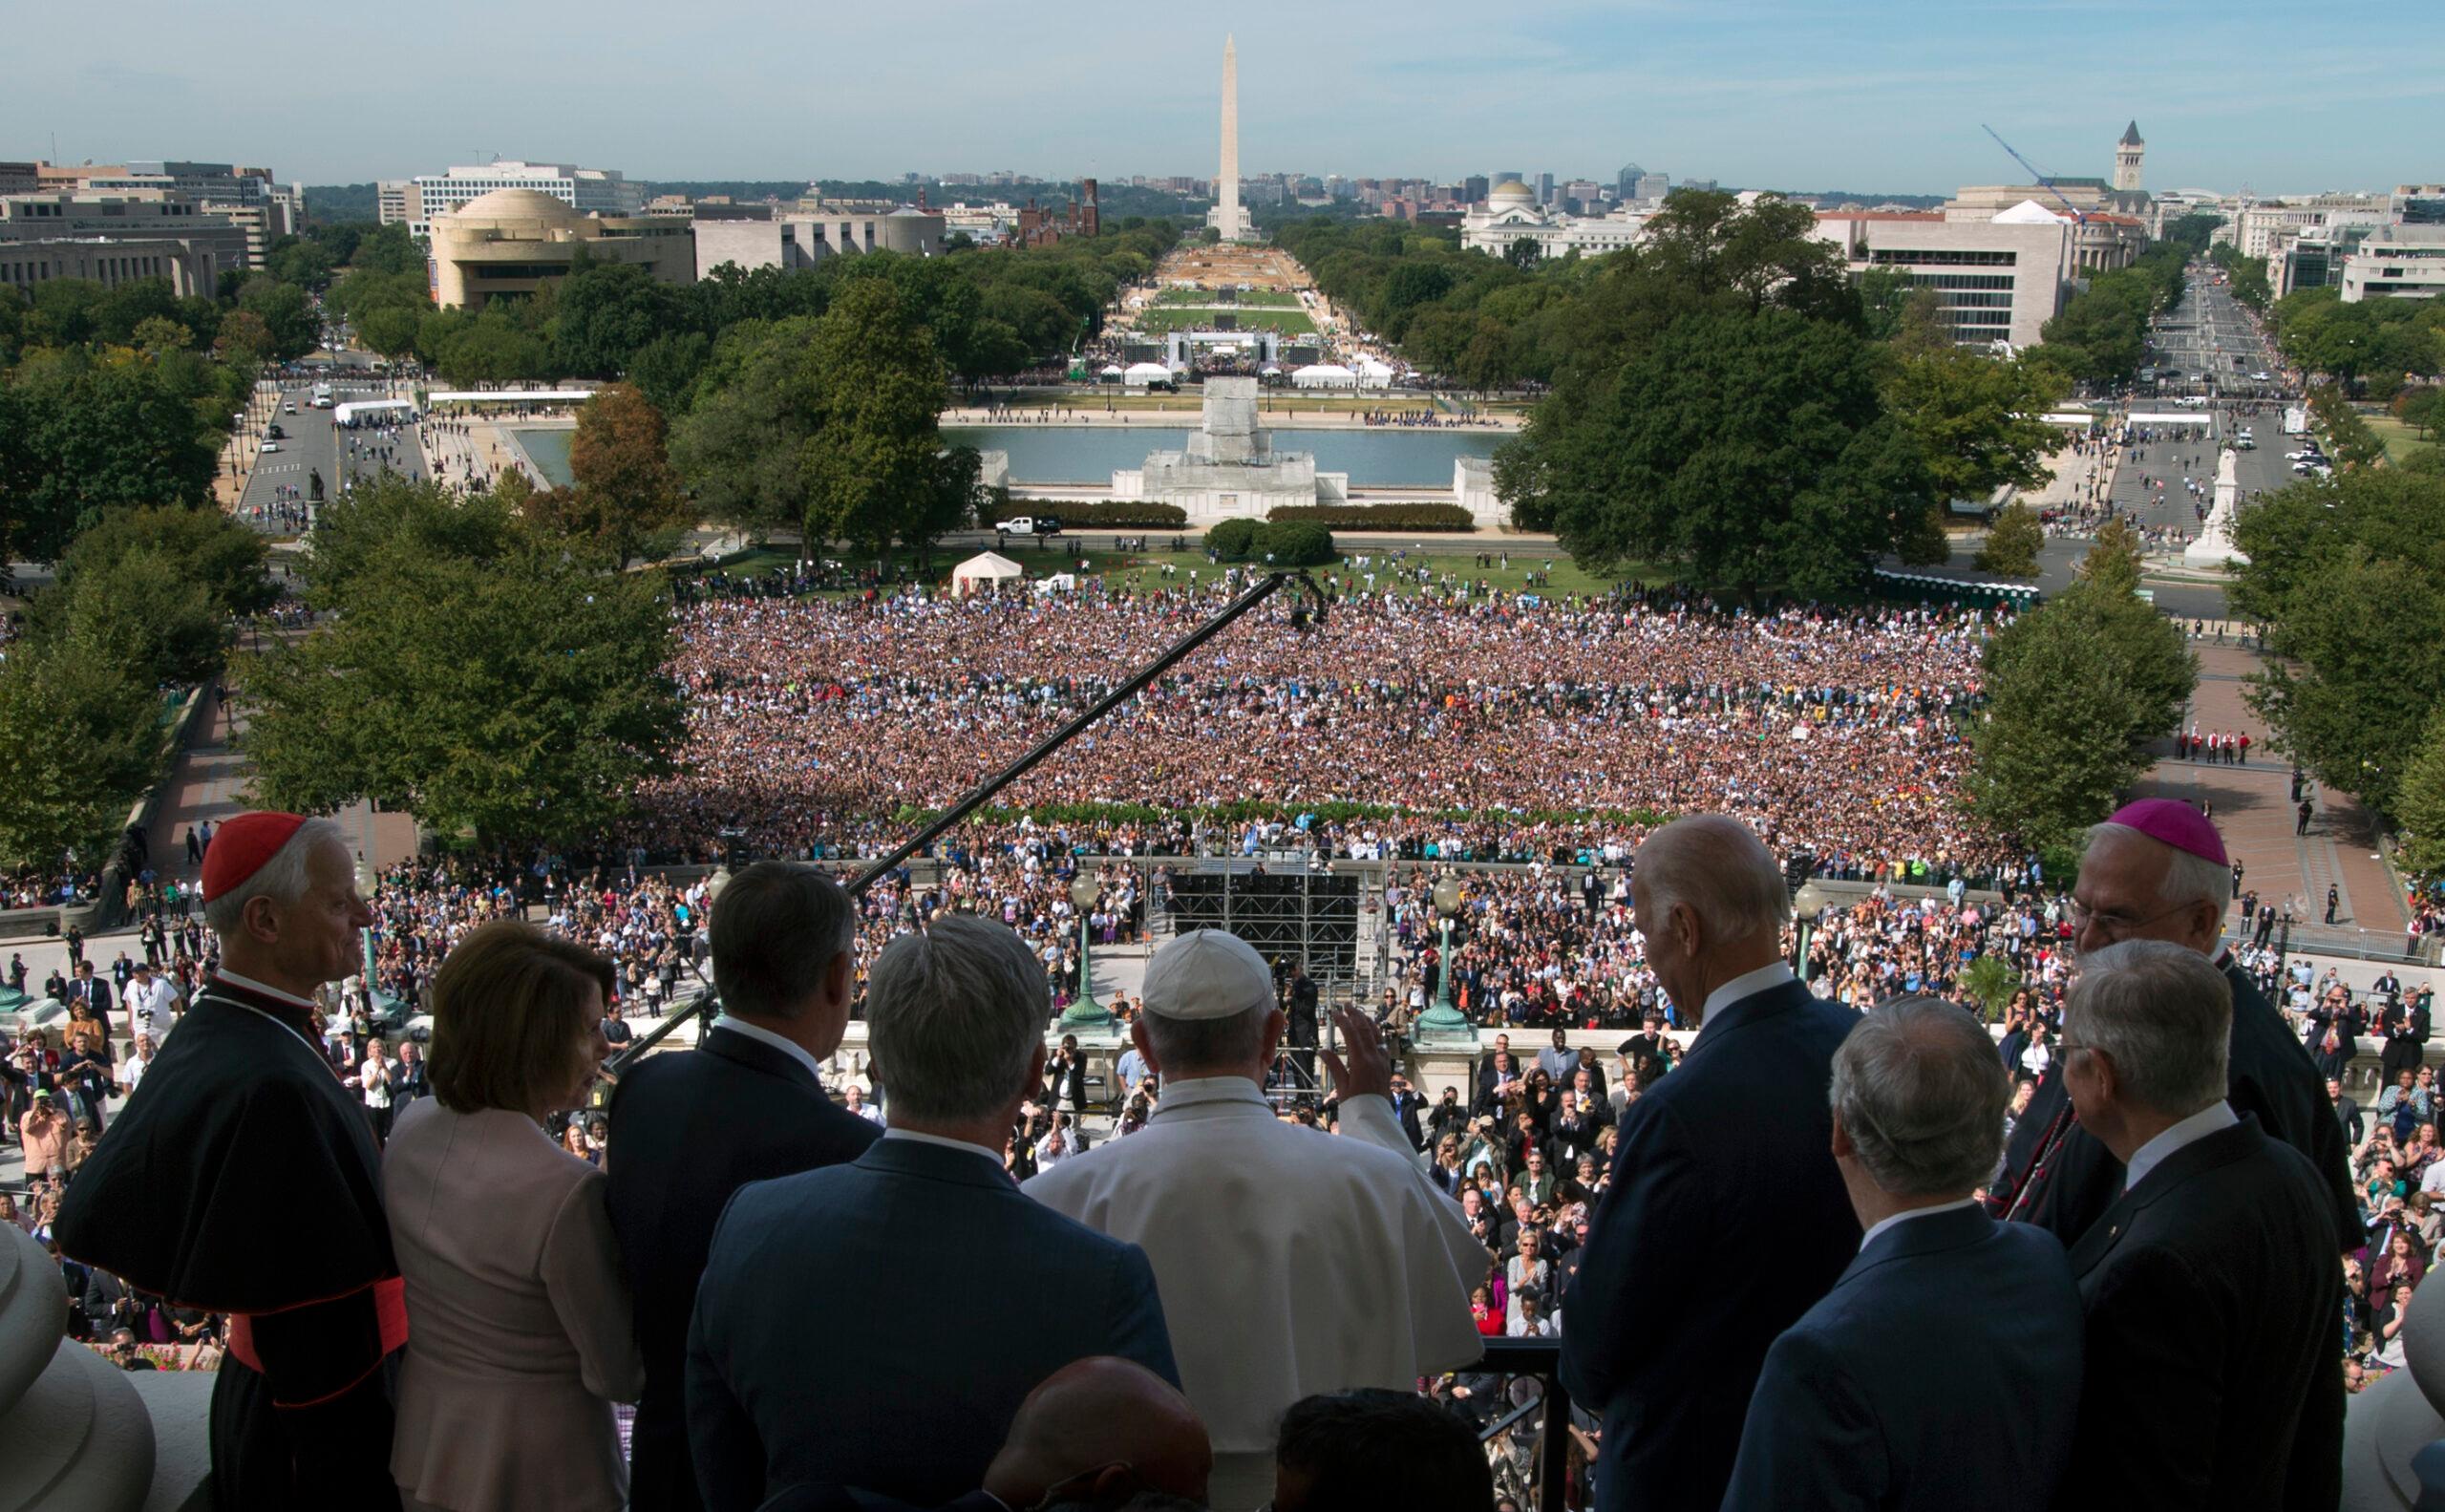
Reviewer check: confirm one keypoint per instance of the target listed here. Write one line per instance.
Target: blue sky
(1794, 94)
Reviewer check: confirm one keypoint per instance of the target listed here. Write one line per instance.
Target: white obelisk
(1227, 218)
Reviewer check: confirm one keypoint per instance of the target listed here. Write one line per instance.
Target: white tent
(1374, 374)
(2029, 212)
(1323, 375)
(1114, 370)
(986, 570)
(1141, 373)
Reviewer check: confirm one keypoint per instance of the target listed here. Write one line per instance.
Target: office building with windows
(117, 238)
(588, 191)
(2396, 262)
(1997, 279)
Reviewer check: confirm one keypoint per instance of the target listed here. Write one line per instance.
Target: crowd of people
(1832, 730)
(546, 1249)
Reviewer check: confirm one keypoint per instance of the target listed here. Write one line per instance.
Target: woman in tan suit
(519, 1336)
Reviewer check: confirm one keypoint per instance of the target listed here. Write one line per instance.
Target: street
(312, 443)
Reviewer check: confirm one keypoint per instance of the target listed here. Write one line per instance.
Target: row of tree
(479, 669)
(2376, 348)
(994, 311)
(2348, 573)
(1736, 407)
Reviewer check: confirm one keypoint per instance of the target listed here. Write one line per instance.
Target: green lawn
(2401, 439)
(1274, 298)
(1144, 568)
(1163, 322)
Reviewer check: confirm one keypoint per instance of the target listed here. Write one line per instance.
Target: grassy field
(2401, 439)
(1163, 322)
(1272, 298)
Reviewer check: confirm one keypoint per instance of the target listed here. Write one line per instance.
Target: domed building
(1511, 215)
(513, 241)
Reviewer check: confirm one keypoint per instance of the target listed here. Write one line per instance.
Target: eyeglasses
(2116, 927)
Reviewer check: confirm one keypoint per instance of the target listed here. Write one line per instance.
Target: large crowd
(1832, 730)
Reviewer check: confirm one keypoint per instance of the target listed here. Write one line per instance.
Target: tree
(872, 461)
(624, 492)
(243, 337)
(282, 308)
(1294, 544)
(1522, 254)
(2014, 543)
(83, 741)
(2348, 573)
(138, 611)
(1749, 446)
(1991, 981)
(607, 311)
(210, 548)
(745, 444)
(1977, 418)
(2078, 688)
(80, 435)
(2422, 803)
(487, 683)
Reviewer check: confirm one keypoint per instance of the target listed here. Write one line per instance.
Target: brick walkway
(2253, 807)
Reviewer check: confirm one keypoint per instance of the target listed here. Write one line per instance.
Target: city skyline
(1795, 94)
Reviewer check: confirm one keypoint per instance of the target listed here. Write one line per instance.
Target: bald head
(1718, 868)
(1102, 1414)
(1709, 898)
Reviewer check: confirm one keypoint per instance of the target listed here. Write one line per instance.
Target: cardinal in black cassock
(243, 1178)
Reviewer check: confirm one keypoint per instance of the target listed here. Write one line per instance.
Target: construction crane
(2045, 182)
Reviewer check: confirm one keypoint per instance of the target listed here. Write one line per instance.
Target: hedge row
(1290, 544)
(1379, 517)
(1102, 513)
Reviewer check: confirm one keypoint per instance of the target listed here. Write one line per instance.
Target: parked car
(270, 447)
(1028, 526)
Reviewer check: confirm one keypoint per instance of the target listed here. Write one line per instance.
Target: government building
(1511, 215)
(513, 241)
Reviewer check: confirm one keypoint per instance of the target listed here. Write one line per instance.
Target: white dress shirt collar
(1888, 1221)
(765, 1036)
(1748, 984)
(947, 1142)
(2213, 1118)
(1179, 1095)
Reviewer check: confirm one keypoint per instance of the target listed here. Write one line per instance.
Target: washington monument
(1229, 220)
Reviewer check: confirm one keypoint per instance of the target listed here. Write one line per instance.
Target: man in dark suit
(1945, 1317)
(1408, 1107)
(876, 1325)
(88, 996)
(688, 1128)
(1095, 1435)
(1742, 1219)
(2347, 1112)
(2215, 1374)
(2058, 1175)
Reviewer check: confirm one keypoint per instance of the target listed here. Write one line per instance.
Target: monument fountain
(1229, 466)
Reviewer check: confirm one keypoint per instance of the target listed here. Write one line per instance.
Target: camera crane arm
(983, 793)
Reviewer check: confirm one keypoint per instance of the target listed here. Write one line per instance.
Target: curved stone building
(512, 241)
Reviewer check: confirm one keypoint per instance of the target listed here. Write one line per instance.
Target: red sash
(389, 1312)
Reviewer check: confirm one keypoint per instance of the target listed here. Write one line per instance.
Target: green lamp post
(367, 880)
(1086, 1013)
(1444, 1021)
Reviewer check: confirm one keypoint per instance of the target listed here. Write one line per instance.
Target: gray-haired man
(2214, 1375)
(1945, 1317)
(919, 1261)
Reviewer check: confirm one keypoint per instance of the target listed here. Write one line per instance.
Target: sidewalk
(2253, 807)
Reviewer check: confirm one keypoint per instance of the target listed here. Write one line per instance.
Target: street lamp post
(366, 882)
(1086, 1012)
(1810, 901)
(1444, 1020)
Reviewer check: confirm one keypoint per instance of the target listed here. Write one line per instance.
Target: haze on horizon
(1786, 94)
